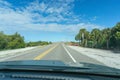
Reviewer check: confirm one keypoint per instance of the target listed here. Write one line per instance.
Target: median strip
(44, 53)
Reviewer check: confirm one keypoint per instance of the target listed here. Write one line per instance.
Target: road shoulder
(107, 57)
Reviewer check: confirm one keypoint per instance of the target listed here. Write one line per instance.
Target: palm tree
(77, 38)
(96, 37)
(82, 36)
(107, 35)
(115, 36)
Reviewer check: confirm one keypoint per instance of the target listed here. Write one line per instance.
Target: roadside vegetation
(17, 41)
(72, 43)
(108, 38)
(37, 43)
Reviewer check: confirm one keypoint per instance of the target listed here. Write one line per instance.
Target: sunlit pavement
(57, 51)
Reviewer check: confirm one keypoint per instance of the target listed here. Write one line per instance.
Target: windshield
(70, 31)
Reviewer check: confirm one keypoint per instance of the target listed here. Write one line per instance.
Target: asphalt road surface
(57, 51)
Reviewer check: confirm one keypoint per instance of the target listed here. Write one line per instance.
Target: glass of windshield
(79, 33)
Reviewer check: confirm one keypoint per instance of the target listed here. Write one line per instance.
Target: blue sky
(56, 20)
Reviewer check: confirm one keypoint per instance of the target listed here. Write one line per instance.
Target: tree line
(37, 43)
(108, 38)
(15, 41)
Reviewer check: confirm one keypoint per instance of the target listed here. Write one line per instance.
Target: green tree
(82, 37)
(115, 36)
(3, 40)
(16, 41)
(106, 35)
(78, 38)
(106, 38)
(96, 37)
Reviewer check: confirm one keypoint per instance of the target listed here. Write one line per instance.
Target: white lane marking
(69, 54)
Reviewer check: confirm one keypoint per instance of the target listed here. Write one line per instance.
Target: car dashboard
(48, 75)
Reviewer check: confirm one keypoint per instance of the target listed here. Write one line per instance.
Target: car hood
(57, 63)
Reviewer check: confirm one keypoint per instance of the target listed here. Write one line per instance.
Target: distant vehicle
(55, 70)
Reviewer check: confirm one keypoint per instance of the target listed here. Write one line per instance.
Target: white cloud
(57, 11)
(45, 16)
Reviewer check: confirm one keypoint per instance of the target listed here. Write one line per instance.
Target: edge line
(69, 54)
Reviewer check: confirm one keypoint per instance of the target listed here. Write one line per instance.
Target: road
(58, 51)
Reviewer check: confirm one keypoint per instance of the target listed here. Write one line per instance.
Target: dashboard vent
(41, 77)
